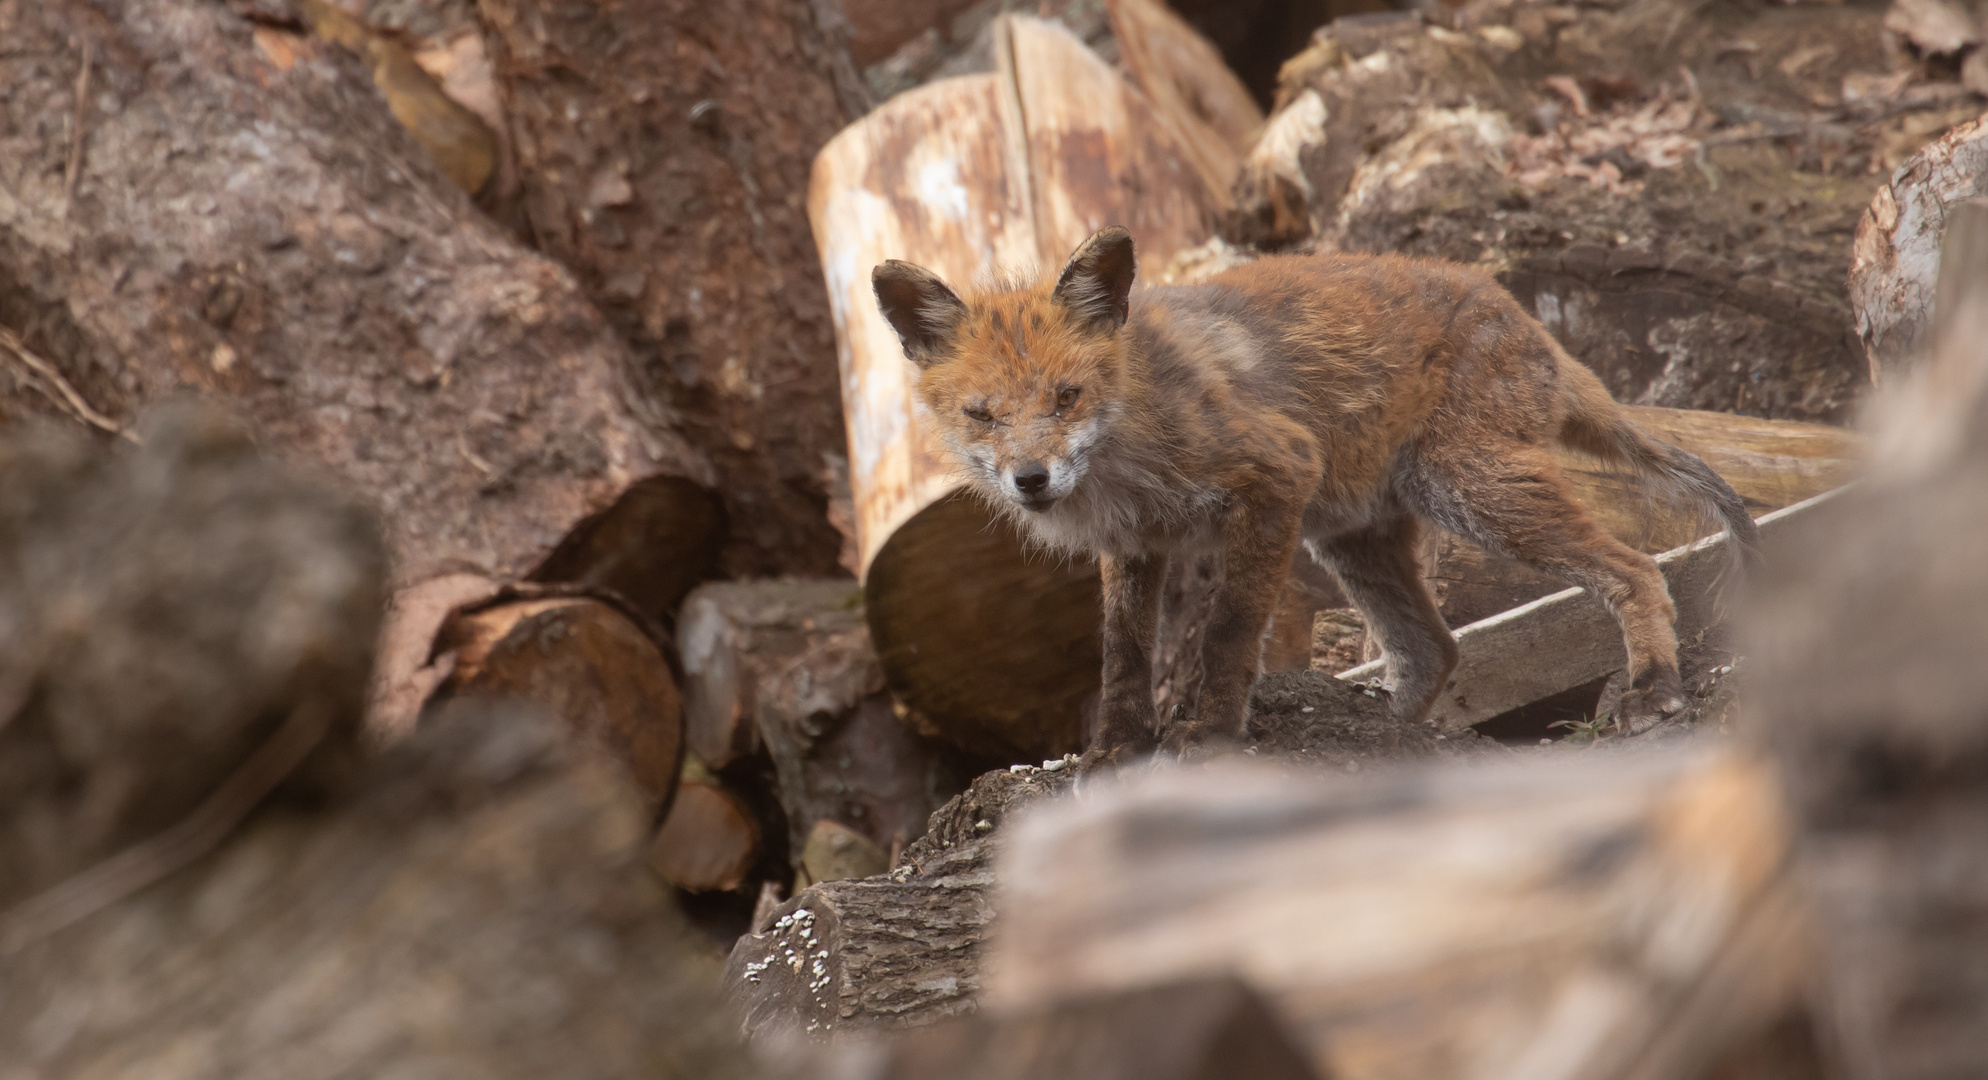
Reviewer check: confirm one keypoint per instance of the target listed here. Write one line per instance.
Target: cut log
(1895, 262)
(1201, 1029)
(893, 951)
(1623, 917)
(586, 661)
(736, 637)
(785, 668)
(1190, 85)
(474, 901)
(677, 204)
(708, 842)
(352, 303)
(304, 262)
(1691, 263)
(1868, 637)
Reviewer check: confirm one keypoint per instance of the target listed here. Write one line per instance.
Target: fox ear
(1098, 279)
(920, 308)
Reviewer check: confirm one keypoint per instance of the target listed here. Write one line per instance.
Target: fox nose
(1031, 479)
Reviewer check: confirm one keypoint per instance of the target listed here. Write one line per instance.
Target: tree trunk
(229, 208)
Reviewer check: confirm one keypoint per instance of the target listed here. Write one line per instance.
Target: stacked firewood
(394, 707)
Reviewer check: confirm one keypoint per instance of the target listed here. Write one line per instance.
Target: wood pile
(551, 640)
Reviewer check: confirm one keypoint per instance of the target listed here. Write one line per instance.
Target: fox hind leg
(1515, 500)
(1377, 567)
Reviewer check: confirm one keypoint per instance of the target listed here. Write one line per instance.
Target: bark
(662, 156)
(592, 662)
(247, 221)
(891, 966)
(1390, 952)
(1896, 261)
(871, 953)
(1868, 637)
(164, 611)
(474, 903)
(1684, 235)
(785, 668)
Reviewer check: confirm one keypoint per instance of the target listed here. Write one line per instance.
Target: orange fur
(1328, 401)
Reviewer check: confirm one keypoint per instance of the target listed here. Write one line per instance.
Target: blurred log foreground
(184, 629)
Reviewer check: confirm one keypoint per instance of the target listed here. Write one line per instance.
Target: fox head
(1023, 383)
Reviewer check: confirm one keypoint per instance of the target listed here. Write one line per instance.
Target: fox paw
(1197, 742)
(1655, 696)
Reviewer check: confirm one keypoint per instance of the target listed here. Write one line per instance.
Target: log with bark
(661, 157)
(1868, 637)
(897, 950)
(1675, 207)
(1623, 916)
(1895, 265)
(903, 949)
(784, 669)
(230, 209)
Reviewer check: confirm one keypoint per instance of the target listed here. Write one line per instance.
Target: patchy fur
(1334, 401)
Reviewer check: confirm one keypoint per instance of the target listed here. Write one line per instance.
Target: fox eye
(1068, 397)
(980, 414)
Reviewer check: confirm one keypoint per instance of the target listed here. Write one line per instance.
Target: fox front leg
(1131, 615)
(1259, 539)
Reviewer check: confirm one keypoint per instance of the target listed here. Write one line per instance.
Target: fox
(1330, 402)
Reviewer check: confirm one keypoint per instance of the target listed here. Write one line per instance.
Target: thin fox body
(1325, 401)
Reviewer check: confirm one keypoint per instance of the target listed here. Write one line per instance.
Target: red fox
(1325, 400)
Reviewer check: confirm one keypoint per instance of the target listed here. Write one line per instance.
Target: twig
(69, 397)
(73, 171)
(135, 867)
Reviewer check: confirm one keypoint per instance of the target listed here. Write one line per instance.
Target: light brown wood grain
(1620, 916)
